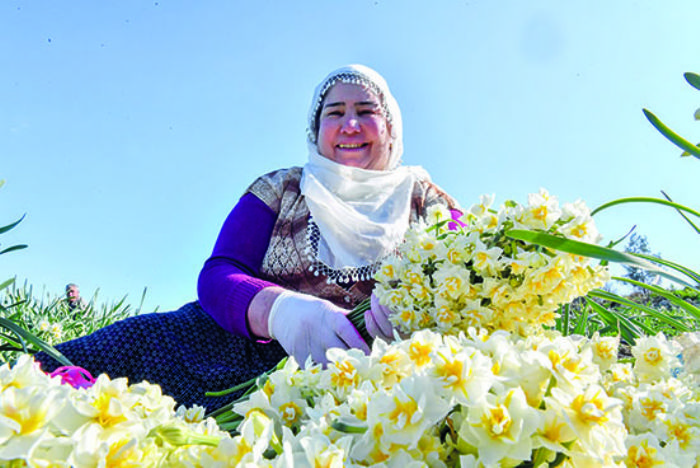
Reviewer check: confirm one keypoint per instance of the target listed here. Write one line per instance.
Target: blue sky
(128, 130)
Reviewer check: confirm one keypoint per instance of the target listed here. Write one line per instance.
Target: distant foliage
(639, 244)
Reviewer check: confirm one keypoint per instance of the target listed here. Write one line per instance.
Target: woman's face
(353, 130)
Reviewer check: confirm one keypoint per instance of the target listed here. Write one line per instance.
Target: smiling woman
(296, 253)
(353, 128)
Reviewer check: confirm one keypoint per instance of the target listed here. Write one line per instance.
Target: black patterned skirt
(185, 352)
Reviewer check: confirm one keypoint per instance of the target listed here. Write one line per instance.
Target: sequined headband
(349, 78)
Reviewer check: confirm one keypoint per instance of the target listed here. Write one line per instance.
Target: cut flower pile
(474, 377)
(480, 400)
(47, 423)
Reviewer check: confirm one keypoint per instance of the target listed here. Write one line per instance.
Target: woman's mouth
(351, 146)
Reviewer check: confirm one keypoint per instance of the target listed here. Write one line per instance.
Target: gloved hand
(377, 321)
(307, 326)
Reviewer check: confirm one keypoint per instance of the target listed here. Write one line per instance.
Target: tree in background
(638, 244)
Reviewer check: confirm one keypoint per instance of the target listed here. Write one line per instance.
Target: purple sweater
(230, 277)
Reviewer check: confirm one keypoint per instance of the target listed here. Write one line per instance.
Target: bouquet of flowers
(450, 278)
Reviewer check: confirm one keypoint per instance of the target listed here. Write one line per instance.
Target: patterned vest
(290, 259)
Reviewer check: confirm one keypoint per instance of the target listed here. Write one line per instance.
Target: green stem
(672, 136)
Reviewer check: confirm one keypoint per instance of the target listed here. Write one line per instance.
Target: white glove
(307, 326)
(377, 321)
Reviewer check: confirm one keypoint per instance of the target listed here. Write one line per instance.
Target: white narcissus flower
(446, 314)
(437, 213)
(25, 373)
(421, 346)
(464, 377)
(486, 260)
(648, 410)
(572, 369)
(619, 375)
(394, 298)
(595, 417)
(452, 281)
(409, 318)
(25, 417)
(605, 349)
(194, 414)
(501, 428)
(322, 452)
(473, 314)
(423, 246)
(542, 210)
(459, 248)
(682, 431)
(583, 229)
(547, 278)
(528, 369)
(389, 363)
(44, 325)
(405, 412)
(655, 357)
(391, 270)
(481, 208)
(56, 331)
(644, 451)
(347, 368)
(555, 434)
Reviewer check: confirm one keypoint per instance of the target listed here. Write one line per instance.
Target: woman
(294, 256)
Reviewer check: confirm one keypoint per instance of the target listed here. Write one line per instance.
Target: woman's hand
(377, 321)
(307, 326)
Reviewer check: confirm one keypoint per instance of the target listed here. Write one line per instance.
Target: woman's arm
(229, 280)
(240, 302)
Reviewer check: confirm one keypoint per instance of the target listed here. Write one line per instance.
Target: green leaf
(659, 201)
(697, 229)
(685, 154)
(672, 136)
(687, 306)
(675, 266)
(563, 322)
(592, 251)
(14, 247)
(628, 329)
(36, 341)
(348, 428)
(6, 283)
(10, 226)
(581, 323)
(693, 79)
(608, 296)
(697, 116)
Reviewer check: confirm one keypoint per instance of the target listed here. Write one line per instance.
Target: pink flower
(75, 376)
(455, 223)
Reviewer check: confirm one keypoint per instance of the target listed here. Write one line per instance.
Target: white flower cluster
(449, 279)
(44, 423)
(480, 400)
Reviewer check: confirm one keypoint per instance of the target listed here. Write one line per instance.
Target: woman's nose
(351, 125)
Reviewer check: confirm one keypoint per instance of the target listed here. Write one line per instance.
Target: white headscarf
(361, 214)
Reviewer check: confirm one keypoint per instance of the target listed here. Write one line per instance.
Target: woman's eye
(334, 114)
